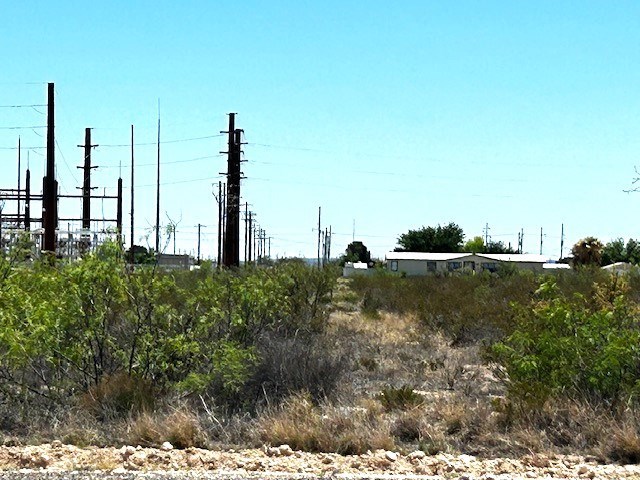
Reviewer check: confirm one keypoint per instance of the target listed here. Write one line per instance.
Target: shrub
(118, 395)
(305, 363)
(305, 426)
(588, 348)
(180, 428)
(89, 327)
(466, 308)
(400, 398)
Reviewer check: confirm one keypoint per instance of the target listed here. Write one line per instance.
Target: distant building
(620, 267)
(352, 269)
(419, 263)
(175, 262)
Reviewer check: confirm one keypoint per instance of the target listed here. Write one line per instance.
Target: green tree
(614, 251)
(587, 251)
(140, 255)
(633, 251)
(498, 247)
(356, 252)
(432, 239)
(475, 245)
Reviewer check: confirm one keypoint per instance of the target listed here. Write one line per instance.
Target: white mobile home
(418, 263)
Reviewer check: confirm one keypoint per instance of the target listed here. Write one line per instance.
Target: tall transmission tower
(231, 255)
(50, 185)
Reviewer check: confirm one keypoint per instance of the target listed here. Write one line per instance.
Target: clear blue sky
(522, 115)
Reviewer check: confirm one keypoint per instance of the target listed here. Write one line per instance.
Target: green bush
(587, 348)
(400, 398)
(65, 327)
(466, 308)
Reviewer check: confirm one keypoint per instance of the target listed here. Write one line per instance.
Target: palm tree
(587, 251)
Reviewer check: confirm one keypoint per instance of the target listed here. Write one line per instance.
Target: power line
(23, 106)
(28, 127)
(23, 148)
(119, 145)
(179, 181)
(166, 163)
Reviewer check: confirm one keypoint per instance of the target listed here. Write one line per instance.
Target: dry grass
(625, 443)
(305, 426)
(118, 395)
(181, 428)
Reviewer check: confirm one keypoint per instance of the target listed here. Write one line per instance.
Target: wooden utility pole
(561, 241)
(86, 183)
(319, 234)
(27, 201)
(119, 213)
(521, 241)
(199, 243)
(158, 190)
(250, 237)
(18, 209)
(246, 221)
(219, 199)
(540, 240)
(50, 185)
(131, 251)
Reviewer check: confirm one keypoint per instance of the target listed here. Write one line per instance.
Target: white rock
(417, 454)
(391, 456)
(166, 446)
(285, 450)
(127, 450)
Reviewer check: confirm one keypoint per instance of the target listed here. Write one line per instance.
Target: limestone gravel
(56, 460)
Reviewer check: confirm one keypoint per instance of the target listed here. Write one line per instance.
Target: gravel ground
(57, 461)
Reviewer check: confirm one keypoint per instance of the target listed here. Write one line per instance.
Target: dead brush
(181, 428)
(624, 442)
(118, 395)
(308, 427)
(411, 426)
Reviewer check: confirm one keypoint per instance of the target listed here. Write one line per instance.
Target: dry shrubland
(346, 367)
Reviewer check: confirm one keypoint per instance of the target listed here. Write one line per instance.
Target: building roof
(357, 265)
(556, 266)
(443, 257)
(516, 257)
(619, 266)
(424, 256)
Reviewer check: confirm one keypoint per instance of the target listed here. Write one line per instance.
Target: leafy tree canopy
(498, 247)
(432, 239)
(140, 255)
(616, 251)
(474, 245)
(356, 252)
(477, 245)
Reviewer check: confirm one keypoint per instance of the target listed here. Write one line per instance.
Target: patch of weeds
(400, 398)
